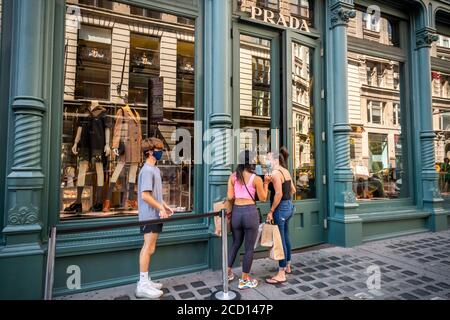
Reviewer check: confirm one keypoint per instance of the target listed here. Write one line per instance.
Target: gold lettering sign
(278, 19)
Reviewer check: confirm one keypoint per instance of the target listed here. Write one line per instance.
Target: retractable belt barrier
(226, 294)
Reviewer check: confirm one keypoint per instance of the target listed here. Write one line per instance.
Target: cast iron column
(22, 258)
(429, 177)
(218, 107)
(345, 228)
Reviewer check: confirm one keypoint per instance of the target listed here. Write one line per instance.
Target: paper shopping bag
(277, 252)
(267, 235)
(218, 206)
(258, 236)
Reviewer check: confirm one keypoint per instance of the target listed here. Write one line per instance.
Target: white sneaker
(144, 290)
(155, 285)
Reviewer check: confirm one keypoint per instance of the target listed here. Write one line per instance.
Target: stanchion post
(50, 265)
(225, 294)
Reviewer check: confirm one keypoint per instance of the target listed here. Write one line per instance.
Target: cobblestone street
(412, 267)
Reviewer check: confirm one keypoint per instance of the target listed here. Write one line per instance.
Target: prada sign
(278, 19)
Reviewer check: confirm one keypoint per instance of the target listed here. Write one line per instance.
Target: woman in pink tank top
(243, 186)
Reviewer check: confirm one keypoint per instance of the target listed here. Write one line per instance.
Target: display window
(440, 84)
(378, 105)
(129, 74)
(377, 143)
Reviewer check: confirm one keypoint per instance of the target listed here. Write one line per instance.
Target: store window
(123, 83)
(255, 94)
(440, 81)
(303, 111)
(375, 110)
(374, 26)
(105, 4)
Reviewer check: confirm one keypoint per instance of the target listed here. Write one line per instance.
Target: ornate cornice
(341, 13)
(425, 37)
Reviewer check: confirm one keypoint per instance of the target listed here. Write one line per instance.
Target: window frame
(172, 7)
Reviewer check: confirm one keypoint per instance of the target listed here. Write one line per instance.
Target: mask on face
(268, 165)
(158, 155)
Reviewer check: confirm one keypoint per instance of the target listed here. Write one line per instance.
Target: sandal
(231, 277)
(274, 281)
(288, 272)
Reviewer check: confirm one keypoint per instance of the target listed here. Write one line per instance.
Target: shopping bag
(218, 206)
(258, 236)
(267, 235)
(277, 251)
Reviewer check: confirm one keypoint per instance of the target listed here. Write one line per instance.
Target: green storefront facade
(357, 91)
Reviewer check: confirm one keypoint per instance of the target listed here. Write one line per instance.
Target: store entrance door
(276, 101)
(303, 136)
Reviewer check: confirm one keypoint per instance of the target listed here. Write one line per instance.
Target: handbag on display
(361, 172)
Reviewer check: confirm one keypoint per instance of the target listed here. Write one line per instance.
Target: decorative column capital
(341, 13)
(425, 37)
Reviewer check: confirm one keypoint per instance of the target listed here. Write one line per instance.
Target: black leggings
(244, 224)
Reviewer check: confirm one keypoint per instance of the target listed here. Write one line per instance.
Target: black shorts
(85, 154)
(151, 228)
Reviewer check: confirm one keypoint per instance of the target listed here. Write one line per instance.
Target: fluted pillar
(431, 197)
(218, 113)
(345, 228)
(22, 258)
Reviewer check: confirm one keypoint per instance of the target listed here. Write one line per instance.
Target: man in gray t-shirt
(149, 181)
(151, 207)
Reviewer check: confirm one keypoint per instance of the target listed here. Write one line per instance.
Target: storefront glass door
(276, 102)
(302, 126)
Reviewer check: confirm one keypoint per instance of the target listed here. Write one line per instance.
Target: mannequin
(128, 130)
(91, 142)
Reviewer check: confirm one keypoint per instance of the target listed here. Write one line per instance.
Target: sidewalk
(412, 267)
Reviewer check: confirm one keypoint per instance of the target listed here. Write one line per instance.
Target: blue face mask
(268, 165)
(158, 155)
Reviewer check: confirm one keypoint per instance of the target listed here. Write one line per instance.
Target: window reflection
(303, 117)
(255, 94)
(375, 117)
(370, 26)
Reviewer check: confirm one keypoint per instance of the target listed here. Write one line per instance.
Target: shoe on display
(106, 206)
(98, 207)
(129, 205)
(74, 208)
(145, 290)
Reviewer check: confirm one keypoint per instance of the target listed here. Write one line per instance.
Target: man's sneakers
(247, 284)
(147, 290)
(155, 285)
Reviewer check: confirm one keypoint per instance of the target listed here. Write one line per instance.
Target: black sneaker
(98, 207)
(74, 208)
